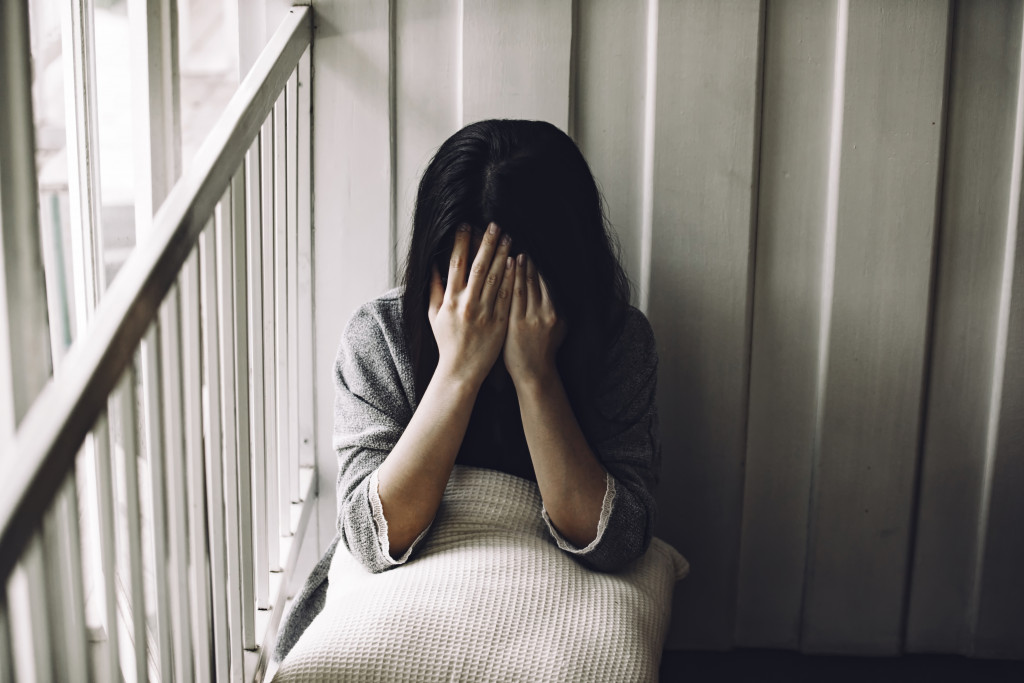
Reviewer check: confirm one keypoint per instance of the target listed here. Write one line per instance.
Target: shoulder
(373, 356)
(374, 337)
(633, 349)
(627, 384)
(374, 327)
(376, 319)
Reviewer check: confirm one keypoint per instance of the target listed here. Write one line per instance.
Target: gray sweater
(375, 399)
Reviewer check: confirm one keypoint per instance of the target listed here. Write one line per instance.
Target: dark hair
(531, 179)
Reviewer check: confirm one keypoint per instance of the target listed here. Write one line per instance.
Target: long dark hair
(531, 179)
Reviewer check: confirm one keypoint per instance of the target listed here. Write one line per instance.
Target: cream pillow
(489, 597)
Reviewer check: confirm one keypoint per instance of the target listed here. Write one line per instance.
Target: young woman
(511, 346)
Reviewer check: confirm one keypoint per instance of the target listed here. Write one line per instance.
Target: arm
(468, 319)
(572, 482)
(598, 501)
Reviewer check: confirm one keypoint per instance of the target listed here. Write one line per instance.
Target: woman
(511, 346)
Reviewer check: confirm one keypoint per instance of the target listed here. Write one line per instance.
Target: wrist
(456, 381)
(538, 381)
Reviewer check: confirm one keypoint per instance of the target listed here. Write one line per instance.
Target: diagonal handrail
(44, 448)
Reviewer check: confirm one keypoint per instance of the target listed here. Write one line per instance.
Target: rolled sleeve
(381, 525)
(607, 505)
(372, 408)
(624, 438)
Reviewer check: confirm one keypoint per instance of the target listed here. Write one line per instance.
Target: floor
(769, 666)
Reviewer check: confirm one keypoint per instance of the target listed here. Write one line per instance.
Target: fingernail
(493, 228)
(506, 240)
(508, 263)
(464, 227)
(522, 259)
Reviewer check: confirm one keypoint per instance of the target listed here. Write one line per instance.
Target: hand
(534, 329)
(469, 318)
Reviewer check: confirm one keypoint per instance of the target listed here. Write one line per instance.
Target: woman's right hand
(469, 318)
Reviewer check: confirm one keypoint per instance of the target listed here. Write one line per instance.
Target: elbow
(361, 543)
(614, 555)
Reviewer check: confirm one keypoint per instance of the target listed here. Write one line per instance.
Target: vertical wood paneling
(515, 60)
(796, 125)
(352, 209)
(865, 467)
(979, 143)
(610, 107)
(999, 626)
(999, 615)
(709, 67)
(426, 107)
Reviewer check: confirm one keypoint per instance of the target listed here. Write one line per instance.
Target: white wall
(819, 205)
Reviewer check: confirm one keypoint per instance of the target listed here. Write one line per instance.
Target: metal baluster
(304, 393)
(33, 563)
(108, 535)
(177, 498)
(283, 492)
(291, 175)
(213, 420)
(6, 651)
(269, 331)
(254, 254)
(233, 320)
(125, 393)
(195, 470)
(66, 564)
(152, 384)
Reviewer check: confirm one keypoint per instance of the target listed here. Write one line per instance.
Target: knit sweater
(375, 398)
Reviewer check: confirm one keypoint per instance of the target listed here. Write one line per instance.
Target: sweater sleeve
(626, 442)
(371, 411)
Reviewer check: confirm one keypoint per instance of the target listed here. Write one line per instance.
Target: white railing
(182, 400)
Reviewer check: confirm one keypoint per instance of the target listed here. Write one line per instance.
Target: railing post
(24, 330)
(127, 415)
(26, 365)
(216, 424)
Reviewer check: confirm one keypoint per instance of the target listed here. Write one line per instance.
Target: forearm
(412, 479)
(571, 480)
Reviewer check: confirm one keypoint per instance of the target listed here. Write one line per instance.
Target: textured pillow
(489, 597)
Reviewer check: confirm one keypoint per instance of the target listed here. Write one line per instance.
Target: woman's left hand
(535, 330)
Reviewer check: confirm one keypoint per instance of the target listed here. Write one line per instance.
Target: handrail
(44, 448)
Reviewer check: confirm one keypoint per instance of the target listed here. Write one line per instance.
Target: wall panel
(427, 81)
(795, 131)
(867, 441)
(610, 107)
(999, 621)
(705, 168)
(975, 198)
(998, 613)
(515, 60)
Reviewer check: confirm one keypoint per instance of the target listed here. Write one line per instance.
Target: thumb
(436, 294)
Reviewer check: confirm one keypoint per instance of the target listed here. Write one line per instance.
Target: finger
(496, 273)
(503, 301)
(460, 257)
(436, 293)
(518, 309)
(545, 295)
(482, 263)
(532, 288)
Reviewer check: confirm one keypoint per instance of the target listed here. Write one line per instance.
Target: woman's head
(530, 179)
